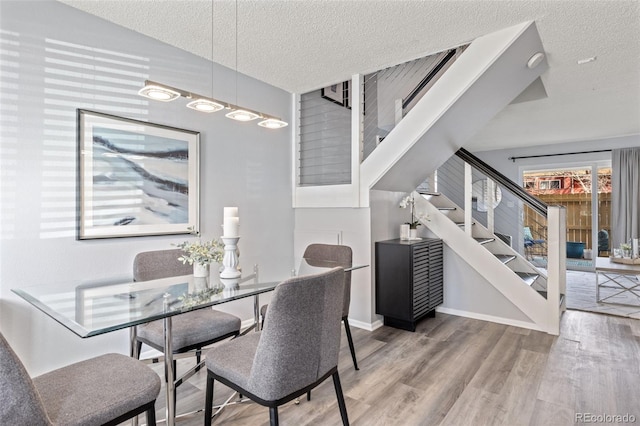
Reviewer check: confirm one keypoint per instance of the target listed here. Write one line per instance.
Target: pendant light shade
(272, 123)
(205, 105)
(242, 115)
(158, 92)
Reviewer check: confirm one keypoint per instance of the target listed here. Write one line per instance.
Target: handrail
(428, 78)
(535, 203)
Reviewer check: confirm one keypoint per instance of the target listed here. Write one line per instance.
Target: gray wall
(47, 45)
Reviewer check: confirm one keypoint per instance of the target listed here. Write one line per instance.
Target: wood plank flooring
(459, 371)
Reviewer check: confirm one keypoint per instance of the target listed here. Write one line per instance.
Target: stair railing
(521, 220)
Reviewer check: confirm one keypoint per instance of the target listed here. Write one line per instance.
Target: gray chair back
(301, 336)
(152, 265)
(20, 403)
(334, 253)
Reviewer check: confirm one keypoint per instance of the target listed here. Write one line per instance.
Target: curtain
(625, 195)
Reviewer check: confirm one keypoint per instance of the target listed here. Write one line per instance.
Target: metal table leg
(168, 365)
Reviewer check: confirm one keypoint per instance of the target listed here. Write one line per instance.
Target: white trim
(365, 325)
(490, 318)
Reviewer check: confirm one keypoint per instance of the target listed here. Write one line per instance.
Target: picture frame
(135, 178)
(337, 93)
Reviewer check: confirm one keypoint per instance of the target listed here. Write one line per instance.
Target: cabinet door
(393, 281)
(436, 273)
(421, 272)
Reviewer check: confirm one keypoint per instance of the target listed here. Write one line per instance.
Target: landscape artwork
(135, 178)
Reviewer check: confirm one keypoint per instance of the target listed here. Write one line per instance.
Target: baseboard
(365, 325)
(352, 323)
(490, 318)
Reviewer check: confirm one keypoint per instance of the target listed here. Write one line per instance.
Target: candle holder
(230, 259)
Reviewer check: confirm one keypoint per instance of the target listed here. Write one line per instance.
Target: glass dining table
(93, 308)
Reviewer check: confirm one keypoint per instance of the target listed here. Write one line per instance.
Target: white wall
(241, 164)
(348, 226)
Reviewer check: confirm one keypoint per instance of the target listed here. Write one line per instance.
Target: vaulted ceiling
(302, 45)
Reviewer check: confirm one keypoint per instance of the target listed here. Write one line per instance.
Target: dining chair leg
(208, 403)
(308, 395)
(350, 340)
(138, 349)
(340, 396)
(273, 416)
(151, 416)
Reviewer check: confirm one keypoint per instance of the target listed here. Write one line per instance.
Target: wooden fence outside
(578, 217)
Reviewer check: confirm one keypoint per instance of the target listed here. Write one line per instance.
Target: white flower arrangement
(408, 201)
(202, 253)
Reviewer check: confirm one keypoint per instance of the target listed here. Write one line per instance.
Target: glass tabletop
(89, 309)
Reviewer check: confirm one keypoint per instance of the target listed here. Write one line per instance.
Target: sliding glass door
(585, 191)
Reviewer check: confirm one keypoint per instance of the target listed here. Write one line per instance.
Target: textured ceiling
(301, 45)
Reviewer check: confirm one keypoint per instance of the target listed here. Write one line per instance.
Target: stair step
(528, 277)
(484, 240)
(544, 294)
(505, 258)
(446, 208)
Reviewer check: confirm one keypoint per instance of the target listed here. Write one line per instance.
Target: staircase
(525, 286)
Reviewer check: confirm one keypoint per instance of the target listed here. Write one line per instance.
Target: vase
(404, 232)
(200, 270)
(413, 234)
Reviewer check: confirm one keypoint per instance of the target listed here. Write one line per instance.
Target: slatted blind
(324, 155)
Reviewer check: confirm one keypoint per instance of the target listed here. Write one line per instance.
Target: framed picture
(135, 178)
(338, 93)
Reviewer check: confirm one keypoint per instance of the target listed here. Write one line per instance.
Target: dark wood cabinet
(409, 280)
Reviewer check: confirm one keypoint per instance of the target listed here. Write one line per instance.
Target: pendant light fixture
(158, 92)
(162, 92)
(239, 114)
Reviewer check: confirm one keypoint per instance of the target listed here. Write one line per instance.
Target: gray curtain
(625, 197)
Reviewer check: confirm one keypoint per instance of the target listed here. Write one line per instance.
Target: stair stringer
(520, 264)
(525, 298)
(490, 73)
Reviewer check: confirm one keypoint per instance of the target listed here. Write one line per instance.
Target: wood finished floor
(459, 371)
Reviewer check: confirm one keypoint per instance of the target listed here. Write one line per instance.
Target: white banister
(556, 264)
(491, 188)
(468, 199)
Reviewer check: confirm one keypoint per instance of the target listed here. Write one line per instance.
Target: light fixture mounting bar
(194, 96)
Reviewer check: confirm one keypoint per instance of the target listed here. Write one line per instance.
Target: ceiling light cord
(236, 6)
(212, 33)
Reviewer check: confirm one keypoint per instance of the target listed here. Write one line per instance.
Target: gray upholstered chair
(295, 352)
(342, 256)
(106, 390)
(189, 331)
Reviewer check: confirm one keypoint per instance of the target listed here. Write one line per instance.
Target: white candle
(231, 227)
(230, 212)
